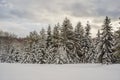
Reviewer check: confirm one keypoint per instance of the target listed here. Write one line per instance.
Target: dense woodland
(64, 44)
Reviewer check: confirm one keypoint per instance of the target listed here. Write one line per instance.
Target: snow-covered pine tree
(26, 54)
(78, 40)
(86, 44)
(56, 36)
(49, 37)
(26, 57)
(66, 31)
(52, 52)
(43, 45)
(117, 46)
(98, 38)
(34, 53)
(56, 44)
(14, 55)
(57, 57)
(3, 52)
(37, 54)
(106, 43)
(47, 47)
(33, 37)
(42, 41)
(97, 44)
(67, 36)
(88, 47)
(79, 31)
(18, 56)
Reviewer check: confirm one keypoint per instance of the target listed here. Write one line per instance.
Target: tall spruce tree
(56, 36)
(78, 40)
(117, 46)
(98, 37)
(52, 52)
(67, 36)
(97, 44)
(49, 37)
(79, 31)
(66, 31)
(106, 43)
(88, 47)
(42, 41)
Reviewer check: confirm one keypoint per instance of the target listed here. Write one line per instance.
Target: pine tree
(106, 43)
(67, 36)
(27, 57)
(78, 40)
(56, 36)
(98, 37)
(88, 47)
(79, 31)
(14, 55)
(66, 31)
(33, 37)
(34, 55)
(42, 41)
(49, 37)
(117, 46)
(97, 44)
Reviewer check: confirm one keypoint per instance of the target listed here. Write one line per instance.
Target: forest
(64, 44)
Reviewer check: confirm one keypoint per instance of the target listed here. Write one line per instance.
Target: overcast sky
(23, 16)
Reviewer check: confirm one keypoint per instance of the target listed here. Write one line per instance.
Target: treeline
(63, 45)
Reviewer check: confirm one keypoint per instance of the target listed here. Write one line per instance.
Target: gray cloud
(20, 12)
(108, 8)
(79, 8)
(94, 8)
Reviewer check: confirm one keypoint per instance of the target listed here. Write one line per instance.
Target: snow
(59, 72)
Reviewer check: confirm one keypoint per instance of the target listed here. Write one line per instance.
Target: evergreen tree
(78, 40)
(14, 55)
(117, 46)
(67, 36)
(106, 44)
(27, 57)
(79, 31)
(56, 36)
(98, 37)
(49, 37)
(35, 55)
(97, 44)
(88, 47)
(42, 41)
(66, 31)
(33, 37)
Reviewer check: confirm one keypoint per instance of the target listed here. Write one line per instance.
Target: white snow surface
(59, 72)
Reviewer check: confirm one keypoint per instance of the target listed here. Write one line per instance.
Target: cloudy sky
(23, 16)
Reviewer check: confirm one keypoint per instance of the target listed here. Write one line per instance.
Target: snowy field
(59, 72)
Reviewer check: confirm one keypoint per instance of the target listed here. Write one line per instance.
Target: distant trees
(63, 44)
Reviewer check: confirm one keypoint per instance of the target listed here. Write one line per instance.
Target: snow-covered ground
(59, 72)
